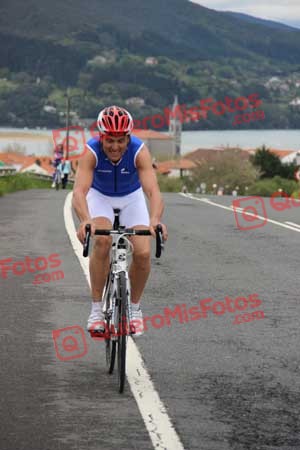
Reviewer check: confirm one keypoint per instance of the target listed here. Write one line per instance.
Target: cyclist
(58, 156)
(113, 173)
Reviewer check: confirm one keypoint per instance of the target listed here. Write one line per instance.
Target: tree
(266, 162)
(288, 170)
(228, 168)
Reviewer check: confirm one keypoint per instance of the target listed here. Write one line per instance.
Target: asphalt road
(225, 385)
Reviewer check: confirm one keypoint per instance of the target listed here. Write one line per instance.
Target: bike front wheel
(110, 353)
(110, 345)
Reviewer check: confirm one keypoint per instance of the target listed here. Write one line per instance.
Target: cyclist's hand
(153, 225)
(81, 229)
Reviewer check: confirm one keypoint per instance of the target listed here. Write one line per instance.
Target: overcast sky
(285, 11)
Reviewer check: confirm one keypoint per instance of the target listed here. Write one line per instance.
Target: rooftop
(26, 161)
(202, 154)
(167, 166)
(150, 134)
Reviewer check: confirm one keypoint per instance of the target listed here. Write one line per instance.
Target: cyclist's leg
(102, 214)
(99, 259)
(135, 215)
(140, 267)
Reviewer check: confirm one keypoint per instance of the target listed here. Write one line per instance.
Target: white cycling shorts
(133, 208)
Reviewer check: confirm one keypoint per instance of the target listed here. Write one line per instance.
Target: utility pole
(68, 122)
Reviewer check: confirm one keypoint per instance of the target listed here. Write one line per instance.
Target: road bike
(116, 295)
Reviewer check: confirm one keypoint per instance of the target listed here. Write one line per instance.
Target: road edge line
(240, 211)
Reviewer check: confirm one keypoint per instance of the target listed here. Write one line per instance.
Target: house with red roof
(176, 168)
(25, 163)
(202, 154)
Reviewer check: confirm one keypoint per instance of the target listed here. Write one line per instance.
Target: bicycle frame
(120, 251)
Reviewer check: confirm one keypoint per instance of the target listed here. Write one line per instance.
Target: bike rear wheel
(122, 331)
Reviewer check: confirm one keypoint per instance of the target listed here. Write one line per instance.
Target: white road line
(240, 210)
(293, 224)
(152, 409)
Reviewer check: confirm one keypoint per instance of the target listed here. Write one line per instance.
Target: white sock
(135, 306)
(97, 306)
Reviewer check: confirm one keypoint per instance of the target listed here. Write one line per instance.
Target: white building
(135, 101)
(295, 102)
(289, 158)
(6, 169)
(35, 168)
(49, 109)
(273, 82)
(151, 61)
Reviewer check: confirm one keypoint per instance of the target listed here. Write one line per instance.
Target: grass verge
(21, 182)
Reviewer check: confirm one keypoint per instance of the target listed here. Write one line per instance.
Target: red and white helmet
(114, 119)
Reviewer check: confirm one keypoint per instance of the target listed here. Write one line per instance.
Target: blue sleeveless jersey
(116, 179)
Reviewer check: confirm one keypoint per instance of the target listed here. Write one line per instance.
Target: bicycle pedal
(132, 329)
(97, 333)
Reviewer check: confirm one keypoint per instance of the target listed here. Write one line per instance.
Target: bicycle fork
(124, 326)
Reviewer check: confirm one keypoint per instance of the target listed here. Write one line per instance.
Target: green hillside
(99, 49)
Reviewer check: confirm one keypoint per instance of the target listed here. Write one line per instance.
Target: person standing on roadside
(65, 169)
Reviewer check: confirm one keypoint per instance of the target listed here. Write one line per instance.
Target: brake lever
(86, 243)
(159, 241)
(162, 241)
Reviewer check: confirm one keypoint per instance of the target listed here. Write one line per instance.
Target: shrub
(169, 184)
(269, 186)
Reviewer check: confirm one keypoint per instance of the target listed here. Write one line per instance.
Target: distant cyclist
(113, 173)
(57, 158)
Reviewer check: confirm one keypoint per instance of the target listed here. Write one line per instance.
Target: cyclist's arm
(72, 168)
(83, 182)
(149, 184)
